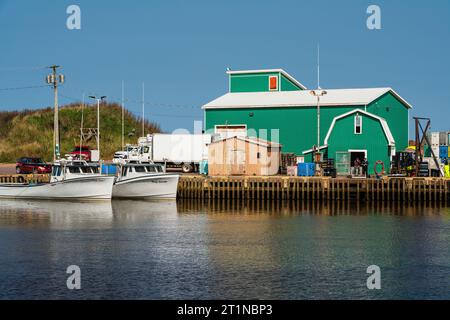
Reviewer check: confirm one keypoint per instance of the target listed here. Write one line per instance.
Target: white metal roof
(287, 75)
(334, 97)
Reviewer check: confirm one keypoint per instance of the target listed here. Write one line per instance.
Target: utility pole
(55, 79)
(98, 99)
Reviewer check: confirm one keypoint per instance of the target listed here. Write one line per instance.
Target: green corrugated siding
(344, 139)
(259, 82)
(396, 114)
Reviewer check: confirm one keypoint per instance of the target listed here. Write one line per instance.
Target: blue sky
(181, 49)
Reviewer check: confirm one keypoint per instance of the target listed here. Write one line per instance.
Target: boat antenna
(123, 114)
(82, 125)
(143, 109)
(318, 66)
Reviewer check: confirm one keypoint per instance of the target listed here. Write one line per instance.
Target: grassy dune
(30, 132)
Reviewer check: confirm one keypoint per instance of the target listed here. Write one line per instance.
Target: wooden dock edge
(316, 188)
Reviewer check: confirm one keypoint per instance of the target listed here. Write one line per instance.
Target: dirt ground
(7, 168)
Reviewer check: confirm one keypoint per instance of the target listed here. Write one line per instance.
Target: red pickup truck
(81, 153)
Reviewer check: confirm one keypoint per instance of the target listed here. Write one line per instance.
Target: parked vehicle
(32, 165)
(84, 153)
(140, 153)
(184, 151)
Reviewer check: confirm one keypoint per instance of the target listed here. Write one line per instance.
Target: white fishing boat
(145, 181)
(70, 180)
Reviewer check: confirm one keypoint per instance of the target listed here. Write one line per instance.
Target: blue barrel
(306, 169)
(443, 152)
(109, 169)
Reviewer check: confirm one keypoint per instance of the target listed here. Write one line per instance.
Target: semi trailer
(180, 151)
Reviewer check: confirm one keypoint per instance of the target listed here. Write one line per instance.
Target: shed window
(273, 83)
(358, 124)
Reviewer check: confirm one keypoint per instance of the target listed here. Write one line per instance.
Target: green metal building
(272, 105)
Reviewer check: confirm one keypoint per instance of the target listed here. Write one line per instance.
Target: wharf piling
(388, 189)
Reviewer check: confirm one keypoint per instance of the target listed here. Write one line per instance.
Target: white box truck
(184, 151)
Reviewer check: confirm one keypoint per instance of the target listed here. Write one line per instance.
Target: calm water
(190, 250)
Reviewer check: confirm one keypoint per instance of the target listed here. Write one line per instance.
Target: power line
(151, 103)
(23, 88)
(70, 98)
(22, 68)
(135, 102)
(135, 113)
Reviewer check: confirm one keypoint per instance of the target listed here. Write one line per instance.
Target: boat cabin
(67, 170)
(134, 169)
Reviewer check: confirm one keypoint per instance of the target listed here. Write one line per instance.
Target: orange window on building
(273, 83)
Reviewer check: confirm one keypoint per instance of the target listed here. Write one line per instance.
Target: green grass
(29, 133)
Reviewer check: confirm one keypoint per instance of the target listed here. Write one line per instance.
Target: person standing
(365, 166)
(357, 165)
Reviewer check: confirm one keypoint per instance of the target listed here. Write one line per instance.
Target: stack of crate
(438, 140)
(439, 145)
(328, 167)
(288, 160)
(434, 140)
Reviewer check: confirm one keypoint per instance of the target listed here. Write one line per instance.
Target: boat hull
(147, 187)
(85, 188)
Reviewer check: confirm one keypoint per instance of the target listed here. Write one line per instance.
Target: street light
(98, 99)
(318, 93)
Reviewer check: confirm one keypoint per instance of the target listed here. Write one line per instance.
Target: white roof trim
(287, 75)
(283, 99)
(384, 124)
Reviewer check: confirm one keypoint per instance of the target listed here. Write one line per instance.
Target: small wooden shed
(236, 156)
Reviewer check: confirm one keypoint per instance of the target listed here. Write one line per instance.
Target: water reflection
(137, 212)
(322, 208)
(312, 250)
(223, 249)
(56, 214)
(76, 215)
